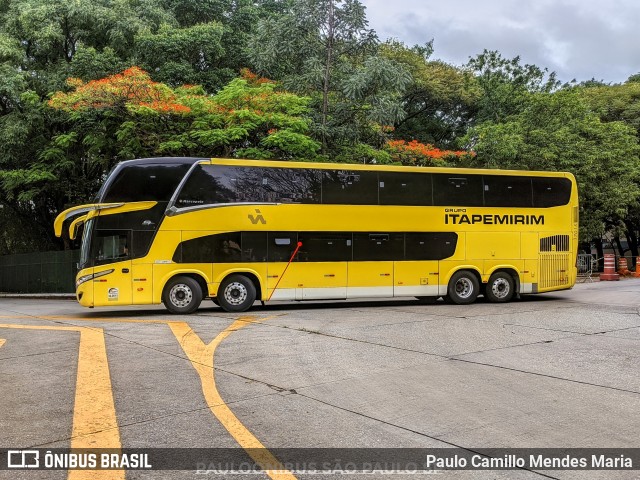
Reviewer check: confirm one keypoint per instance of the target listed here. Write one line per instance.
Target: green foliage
(506, 84)
(330, 55)
(616, 102)
(363, 153)
(141, 116)
(440, 102)
(184, 55)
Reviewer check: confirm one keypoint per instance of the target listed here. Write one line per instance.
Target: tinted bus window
(196, 250)
(430, 246)
(324, 247)
(254, 246)
(288, 185)
(396, 188)
(350, 187)
(207, 185)
(551, 192)
(281, 246)
(457, 190)
(145, 182)
(507, 191)
(378, 246)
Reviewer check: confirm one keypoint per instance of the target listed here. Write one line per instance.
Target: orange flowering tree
(425, 155)
(249, 117)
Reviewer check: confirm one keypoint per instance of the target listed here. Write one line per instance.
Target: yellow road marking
(85, 319)
(94, 414)
(202, 359)
(2, 340)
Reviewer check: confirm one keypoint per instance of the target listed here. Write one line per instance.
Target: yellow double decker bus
(177, 230)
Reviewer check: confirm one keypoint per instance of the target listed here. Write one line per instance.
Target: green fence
(39, 272)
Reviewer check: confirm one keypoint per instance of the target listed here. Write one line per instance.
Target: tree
(620, 103)
(440, 102)
(331, 55)
(505, 84)
(189, 55)
(414, 153)
(616, 102)
(249, 117)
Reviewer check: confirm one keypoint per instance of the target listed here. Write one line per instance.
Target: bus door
(111, 251)
(318, 271)
(419, 274)
(371, 273)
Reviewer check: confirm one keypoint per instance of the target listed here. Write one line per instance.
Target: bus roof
(333, 166)
(168, 160)
(390, 168)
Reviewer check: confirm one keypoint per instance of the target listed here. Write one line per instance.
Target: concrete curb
(41, 296)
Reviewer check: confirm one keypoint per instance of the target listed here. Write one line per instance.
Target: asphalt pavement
(556, 370)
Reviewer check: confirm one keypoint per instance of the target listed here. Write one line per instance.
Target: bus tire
(182, 295)
(236, 293)
(463, 287)
(500, 288)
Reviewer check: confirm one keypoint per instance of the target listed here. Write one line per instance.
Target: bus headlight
(91, 276)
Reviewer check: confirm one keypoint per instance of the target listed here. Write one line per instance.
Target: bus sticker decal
(457, 219)
(257, 218)
(112, 295)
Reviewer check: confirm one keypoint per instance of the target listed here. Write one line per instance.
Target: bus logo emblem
(257, 218)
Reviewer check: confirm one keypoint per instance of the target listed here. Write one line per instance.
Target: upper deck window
(451, 189)
(507, 191)
(137, 183)
(551, 192)
(211, 184)
(399, 188)
(215, 184)
(350, 187)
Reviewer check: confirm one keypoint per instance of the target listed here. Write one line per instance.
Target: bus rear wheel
(182, 295)
(463, 288)
(500, 288)
(236, 293)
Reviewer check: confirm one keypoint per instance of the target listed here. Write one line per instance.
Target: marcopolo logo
(257, 218)
(23, 458)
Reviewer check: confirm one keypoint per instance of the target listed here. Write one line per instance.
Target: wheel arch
(197, 275)
(473, 269)
(511, 270)
(250, 274)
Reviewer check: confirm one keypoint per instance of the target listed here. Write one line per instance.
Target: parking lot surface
(552, 370)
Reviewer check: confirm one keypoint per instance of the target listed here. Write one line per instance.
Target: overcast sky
(579, 39)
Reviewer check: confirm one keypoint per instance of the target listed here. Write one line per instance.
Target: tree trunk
(632, 240)
(327, 72)
(618, 245)
(599, 253)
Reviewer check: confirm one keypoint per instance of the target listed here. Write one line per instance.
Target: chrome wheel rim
(180, 295)
(500, 288)
(235, 293)
(464, 288)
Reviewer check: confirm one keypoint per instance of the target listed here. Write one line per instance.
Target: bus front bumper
(84, 294)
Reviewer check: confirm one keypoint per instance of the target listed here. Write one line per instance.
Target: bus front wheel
(236, 294)
(463, 288)
(182, 295)
(500, 288)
